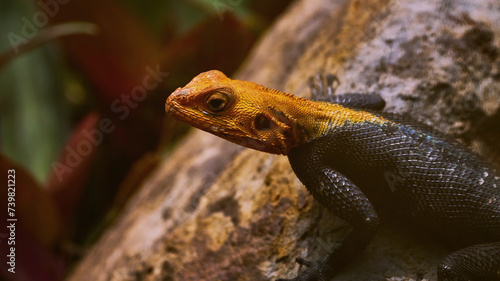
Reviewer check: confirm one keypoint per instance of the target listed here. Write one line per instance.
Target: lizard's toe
(322, 85)
(304, 262)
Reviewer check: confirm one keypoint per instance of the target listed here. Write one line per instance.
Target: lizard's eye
(262, 122)
(217, 101)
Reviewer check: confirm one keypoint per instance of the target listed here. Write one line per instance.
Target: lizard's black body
(358, 168)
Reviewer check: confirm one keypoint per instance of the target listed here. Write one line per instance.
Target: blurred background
(82, 90)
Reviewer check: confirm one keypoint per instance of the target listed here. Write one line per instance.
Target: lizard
(358, 161)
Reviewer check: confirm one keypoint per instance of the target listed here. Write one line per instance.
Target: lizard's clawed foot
(323, 85)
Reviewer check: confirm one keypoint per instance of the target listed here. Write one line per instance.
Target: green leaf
(33, 110)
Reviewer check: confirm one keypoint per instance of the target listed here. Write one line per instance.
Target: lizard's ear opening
(217, 101)
(262, 122)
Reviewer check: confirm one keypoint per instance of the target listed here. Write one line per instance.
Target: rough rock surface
(215, 211)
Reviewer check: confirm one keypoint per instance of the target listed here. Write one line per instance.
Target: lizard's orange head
(239, 111)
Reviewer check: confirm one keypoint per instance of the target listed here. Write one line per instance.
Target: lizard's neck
(315, 118)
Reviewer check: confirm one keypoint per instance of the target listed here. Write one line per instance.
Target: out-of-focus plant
(76, 113)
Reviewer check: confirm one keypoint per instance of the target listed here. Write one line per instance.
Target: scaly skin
(356, 164)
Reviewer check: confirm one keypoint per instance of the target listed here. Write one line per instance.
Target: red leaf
(70, 172)
(31, 261)
(33, 208)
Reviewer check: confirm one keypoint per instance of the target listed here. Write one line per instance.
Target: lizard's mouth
(173, 108)
(175, 99)
(167, 108)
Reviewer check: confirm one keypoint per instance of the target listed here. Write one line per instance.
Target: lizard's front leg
(340, 196)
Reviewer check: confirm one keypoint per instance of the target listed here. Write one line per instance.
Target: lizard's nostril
(181, 93)
(179, 96)
(176, 97)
